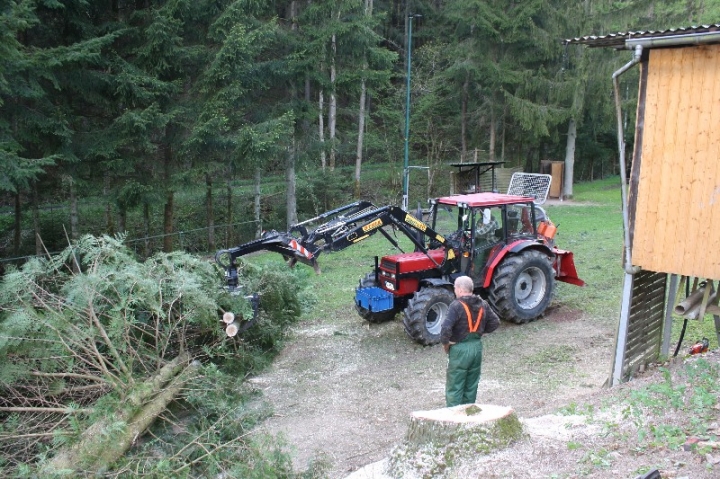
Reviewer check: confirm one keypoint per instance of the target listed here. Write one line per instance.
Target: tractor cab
(486, 223)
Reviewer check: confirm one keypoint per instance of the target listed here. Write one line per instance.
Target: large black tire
(370, 316)
(522, 286)
(425, 313)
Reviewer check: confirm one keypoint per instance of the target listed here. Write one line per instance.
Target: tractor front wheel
(374, 316)
(425, 313)
(522, 286)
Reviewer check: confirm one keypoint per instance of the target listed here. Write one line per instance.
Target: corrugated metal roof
(617, 40)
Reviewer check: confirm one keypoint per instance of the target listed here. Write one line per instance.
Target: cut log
(440, 438)
(232, 329)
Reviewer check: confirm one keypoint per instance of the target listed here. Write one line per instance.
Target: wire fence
(196, 241)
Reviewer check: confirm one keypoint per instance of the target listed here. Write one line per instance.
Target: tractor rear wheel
(425, 313)
(374, 316)
(522, 286)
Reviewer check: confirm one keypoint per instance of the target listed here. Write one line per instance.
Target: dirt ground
(342, 389)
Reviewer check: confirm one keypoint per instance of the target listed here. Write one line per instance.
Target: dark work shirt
(455, 327)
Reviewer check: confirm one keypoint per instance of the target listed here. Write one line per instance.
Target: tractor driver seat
(485, 230)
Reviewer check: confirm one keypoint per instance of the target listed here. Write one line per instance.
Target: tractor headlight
(389, 286)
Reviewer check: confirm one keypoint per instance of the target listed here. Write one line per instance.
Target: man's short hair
(464, 283)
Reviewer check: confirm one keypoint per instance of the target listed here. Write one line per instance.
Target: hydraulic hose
(682, 336)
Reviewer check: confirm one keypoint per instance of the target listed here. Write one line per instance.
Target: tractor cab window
(488, 234)
(488, 226)
(447, 219)
(454, 223)
(519, 220)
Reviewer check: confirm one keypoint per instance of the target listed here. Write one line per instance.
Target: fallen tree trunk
(106, 440)
(143, 419)
(438, 439)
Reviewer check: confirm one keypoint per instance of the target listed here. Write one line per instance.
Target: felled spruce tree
(94, 345)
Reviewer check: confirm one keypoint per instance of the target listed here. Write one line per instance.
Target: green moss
(473, 410)
(509, 429)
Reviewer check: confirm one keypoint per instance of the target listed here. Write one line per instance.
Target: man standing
(468, 318)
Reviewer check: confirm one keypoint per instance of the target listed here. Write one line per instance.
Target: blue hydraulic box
(374, 299)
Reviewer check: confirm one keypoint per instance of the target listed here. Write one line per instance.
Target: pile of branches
(95, 345)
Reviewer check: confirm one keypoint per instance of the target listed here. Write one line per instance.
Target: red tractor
(504, 242)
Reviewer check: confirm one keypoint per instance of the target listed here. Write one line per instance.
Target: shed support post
(667, 327)
(622, 330)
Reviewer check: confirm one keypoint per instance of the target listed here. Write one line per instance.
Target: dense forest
(154, 117)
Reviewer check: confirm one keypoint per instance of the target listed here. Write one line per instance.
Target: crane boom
(344, 227)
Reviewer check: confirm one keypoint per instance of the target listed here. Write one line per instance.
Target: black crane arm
(347, 226)
(374, 221)
(297, 243)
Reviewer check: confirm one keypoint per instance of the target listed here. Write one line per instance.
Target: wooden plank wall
(677, 188)
(645, 325)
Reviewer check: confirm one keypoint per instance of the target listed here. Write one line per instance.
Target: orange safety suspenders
(473, 327)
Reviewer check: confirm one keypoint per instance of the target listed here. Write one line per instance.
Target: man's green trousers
(463, 372)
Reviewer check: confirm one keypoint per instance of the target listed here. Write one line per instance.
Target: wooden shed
(671, 198)
(675, 183)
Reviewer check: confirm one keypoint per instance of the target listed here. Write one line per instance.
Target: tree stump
(443, 438)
